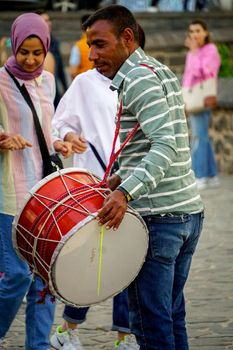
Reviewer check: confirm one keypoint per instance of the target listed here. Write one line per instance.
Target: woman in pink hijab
(21, 168)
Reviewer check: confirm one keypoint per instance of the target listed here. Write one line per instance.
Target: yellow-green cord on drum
(100, 259)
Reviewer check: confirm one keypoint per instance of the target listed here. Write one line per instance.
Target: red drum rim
(33, 190)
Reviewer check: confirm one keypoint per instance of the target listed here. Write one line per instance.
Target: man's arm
(147, 101)
(149, 104)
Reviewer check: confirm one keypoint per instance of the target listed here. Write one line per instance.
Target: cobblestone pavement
(209, 291)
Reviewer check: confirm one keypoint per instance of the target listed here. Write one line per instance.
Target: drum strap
(114, 154)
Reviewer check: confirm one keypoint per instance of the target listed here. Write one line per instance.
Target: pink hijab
(24, 26)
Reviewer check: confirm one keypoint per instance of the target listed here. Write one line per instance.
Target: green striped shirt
(155, 165)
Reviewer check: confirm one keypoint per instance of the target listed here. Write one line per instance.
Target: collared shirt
(89, 108)
(21, 170)
(155, 165)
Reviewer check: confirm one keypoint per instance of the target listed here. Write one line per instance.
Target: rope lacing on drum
(36, 258)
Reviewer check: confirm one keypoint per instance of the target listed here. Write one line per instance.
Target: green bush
(226, 53)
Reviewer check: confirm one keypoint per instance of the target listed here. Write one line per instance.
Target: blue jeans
(203, 159)
(120, 313)
(156, 299)
(15, 283)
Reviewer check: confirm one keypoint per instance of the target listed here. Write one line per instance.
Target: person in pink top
(202, 62)
(21, 168)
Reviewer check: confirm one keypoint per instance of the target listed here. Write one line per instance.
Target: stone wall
(221, 131)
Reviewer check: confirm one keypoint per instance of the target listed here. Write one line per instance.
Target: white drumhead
(74, 271)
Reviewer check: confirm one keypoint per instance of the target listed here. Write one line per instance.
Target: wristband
(125, 193)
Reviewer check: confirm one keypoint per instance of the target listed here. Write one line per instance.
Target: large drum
(57, 234)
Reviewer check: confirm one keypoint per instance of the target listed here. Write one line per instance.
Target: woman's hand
(79, 144)
(13, 142)
(63, 147)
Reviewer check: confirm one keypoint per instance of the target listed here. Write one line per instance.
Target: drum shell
(52, 221)
(35, 219)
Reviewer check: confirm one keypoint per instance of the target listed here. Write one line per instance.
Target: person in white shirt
(88, 108)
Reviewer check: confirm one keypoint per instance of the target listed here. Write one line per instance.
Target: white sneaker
(67, 340)
(129, 343)
(201, 183)
(213, 181)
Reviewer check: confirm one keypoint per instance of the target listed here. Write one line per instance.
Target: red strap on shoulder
(114, 154)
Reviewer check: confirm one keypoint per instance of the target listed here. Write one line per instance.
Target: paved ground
(209, 291)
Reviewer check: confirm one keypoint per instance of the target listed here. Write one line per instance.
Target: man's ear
(128, 36)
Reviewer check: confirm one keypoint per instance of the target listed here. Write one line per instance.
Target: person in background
(54, 62)
(91, 115)
(5, 46)
(21, 168)
(170, 5)
(154, 176)
(201, 5)
(79, 61)
(202, 62)
(189, 5)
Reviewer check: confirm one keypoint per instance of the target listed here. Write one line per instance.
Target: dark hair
(204, 26)
(84, 18)
(119, 16)
(40, 12)
(142, 37)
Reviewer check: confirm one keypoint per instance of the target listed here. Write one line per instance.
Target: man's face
(107, 51)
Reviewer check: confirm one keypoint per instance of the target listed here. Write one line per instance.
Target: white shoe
(201, 183)
(129, 343)
(213, 181)
(67, 340)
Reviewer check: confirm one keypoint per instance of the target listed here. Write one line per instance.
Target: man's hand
(13, 142)
(63, 147)
(113, 210)
(113, 181)
(79, 144)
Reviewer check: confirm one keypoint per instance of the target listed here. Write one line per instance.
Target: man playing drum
(155, 176)
(92, 115)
